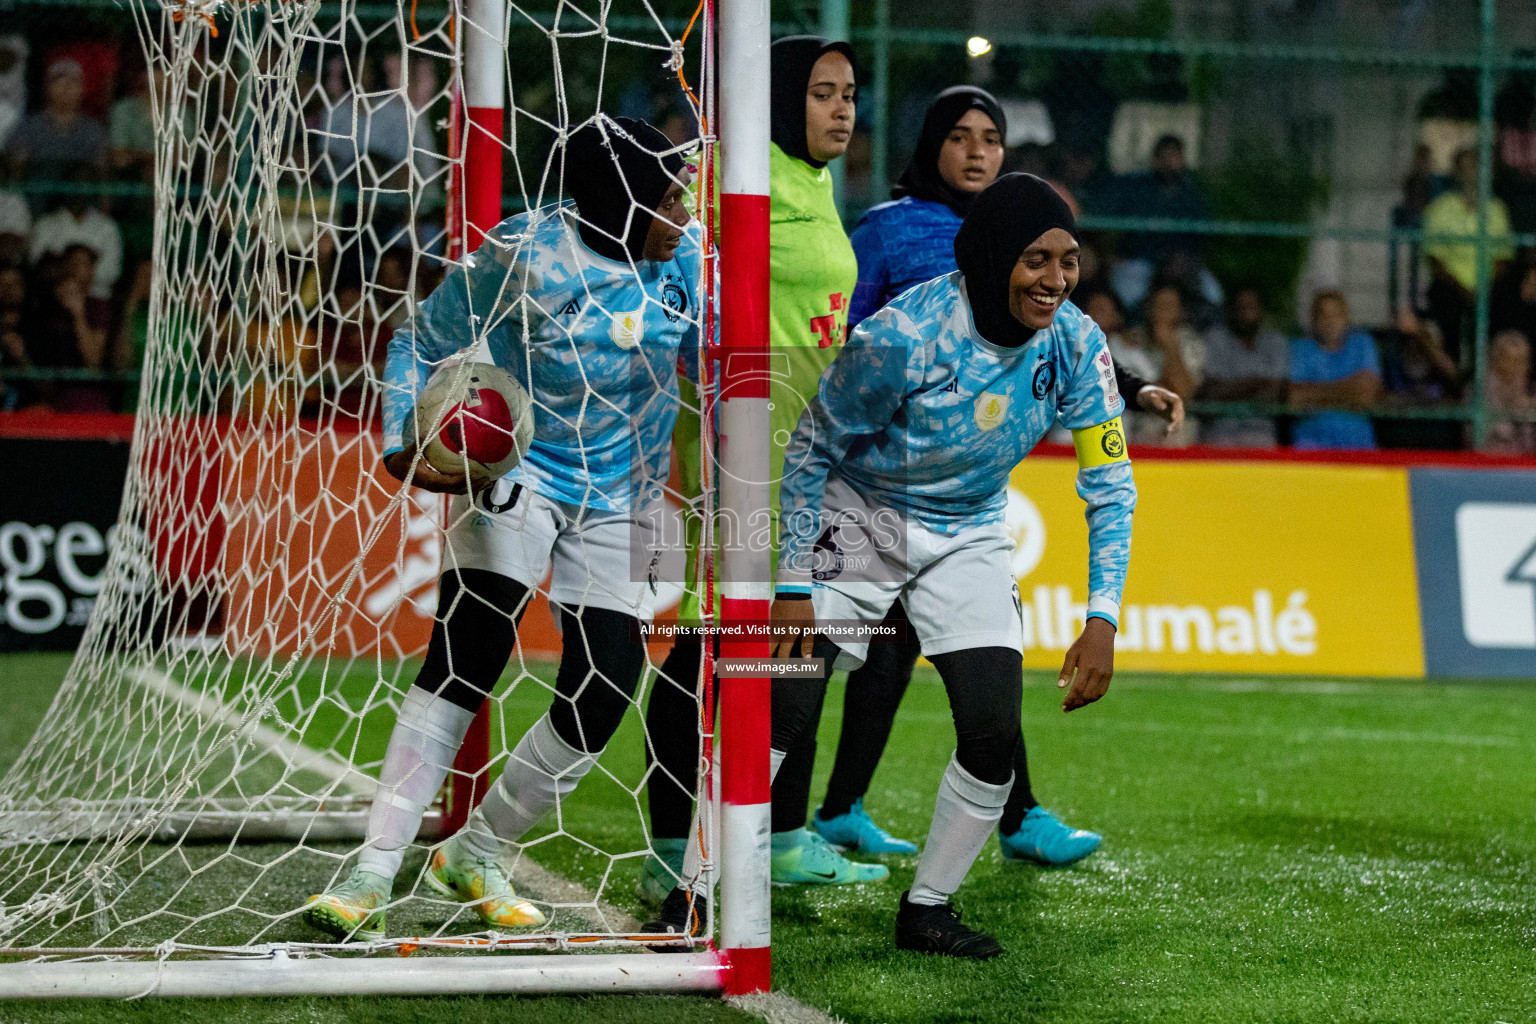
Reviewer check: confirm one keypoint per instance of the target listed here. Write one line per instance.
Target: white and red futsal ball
(485, 419)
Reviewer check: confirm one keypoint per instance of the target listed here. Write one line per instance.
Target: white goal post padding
(208, 762)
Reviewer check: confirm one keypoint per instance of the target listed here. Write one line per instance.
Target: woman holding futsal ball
(901, 244)
(588, 307)
(903, 458)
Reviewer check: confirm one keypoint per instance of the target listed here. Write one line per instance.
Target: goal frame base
(282, 975)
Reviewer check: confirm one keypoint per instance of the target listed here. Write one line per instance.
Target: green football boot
(802, 857)
(663, 867)
(483, 882)
(352, 911)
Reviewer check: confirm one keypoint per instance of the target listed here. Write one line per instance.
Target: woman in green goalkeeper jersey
(812, 273)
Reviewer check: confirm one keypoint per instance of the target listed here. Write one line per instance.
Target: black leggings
(672, 751)
(672, 740)
(476, 632)
(873, 695)
(985, 687)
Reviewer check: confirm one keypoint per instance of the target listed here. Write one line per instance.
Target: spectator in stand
(1513, 303)
(392, 286)
(353, 342)
(1103, 307)
(11, 58)
(317, 274)
(13, 78)
(77, 220)
(1082, 173)
(13, 346)
(379, 134)
(1452, 292)
(132, 130)
(55, 139)
(1246, 360)
(15, 226)
(68, 329)
(1337, 370)
(1166, 350)
(1420, 186)
(1424, 374)
(1508, 398)
(1169, 190)
(334, 79)
(1514, 166)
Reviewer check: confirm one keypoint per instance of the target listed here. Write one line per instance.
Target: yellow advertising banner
(1262, 567)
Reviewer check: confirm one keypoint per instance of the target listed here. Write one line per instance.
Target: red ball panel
(482, 430)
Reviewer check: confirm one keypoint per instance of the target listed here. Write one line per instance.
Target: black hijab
(791, 60)
(921, 179)
(1005, 219)
(609, 170)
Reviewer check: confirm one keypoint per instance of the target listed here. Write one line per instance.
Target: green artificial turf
(1274, 851)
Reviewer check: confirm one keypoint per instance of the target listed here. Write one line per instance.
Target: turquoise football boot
(1044, 839)
(802, 857)
(663, 867)
(856, 830)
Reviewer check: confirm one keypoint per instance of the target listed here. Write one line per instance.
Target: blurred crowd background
(1314, 219)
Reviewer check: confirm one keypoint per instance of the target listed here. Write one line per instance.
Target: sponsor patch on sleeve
(1100, 445)
(1106, 368)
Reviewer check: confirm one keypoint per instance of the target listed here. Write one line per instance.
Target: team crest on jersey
(1044, 380)
(628, 328)
(991, 410)
(674, 298)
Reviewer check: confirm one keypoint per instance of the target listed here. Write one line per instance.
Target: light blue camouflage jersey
(595, 342)
(924, 416)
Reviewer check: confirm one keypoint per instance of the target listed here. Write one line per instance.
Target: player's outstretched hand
(1089, 666)
(794, 627)
(430, 479)
(1165, 404)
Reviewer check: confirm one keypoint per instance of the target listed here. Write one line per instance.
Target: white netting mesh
(210, 759)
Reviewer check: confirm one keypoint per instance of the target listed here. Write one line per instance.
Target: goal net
(210, 759)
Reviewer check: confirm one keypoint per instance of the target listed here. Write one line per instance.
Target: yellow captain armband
(1100, 445)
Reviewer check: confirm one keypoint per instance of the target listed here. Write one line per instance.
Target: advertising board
(1475, 534)
(1263, 567)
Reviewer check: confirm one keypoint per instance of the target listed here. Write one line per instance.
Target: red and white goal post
(212, 754)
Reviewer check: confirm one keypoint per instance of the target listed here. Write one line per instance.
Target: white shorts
(958, 588)
(593, 559)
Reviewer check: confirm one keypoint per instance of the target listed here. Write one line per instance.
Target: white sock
(542, 771)
(427, 735)
(964, 815)
(694, 875)
(775, 758)
(697, 874)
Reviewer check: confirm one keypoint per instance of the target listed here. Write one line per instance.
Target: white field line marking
(292, 753)
(1296, 736)
(1302, 686)
(1299, 686)
(778, 1008)
(531, 877)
